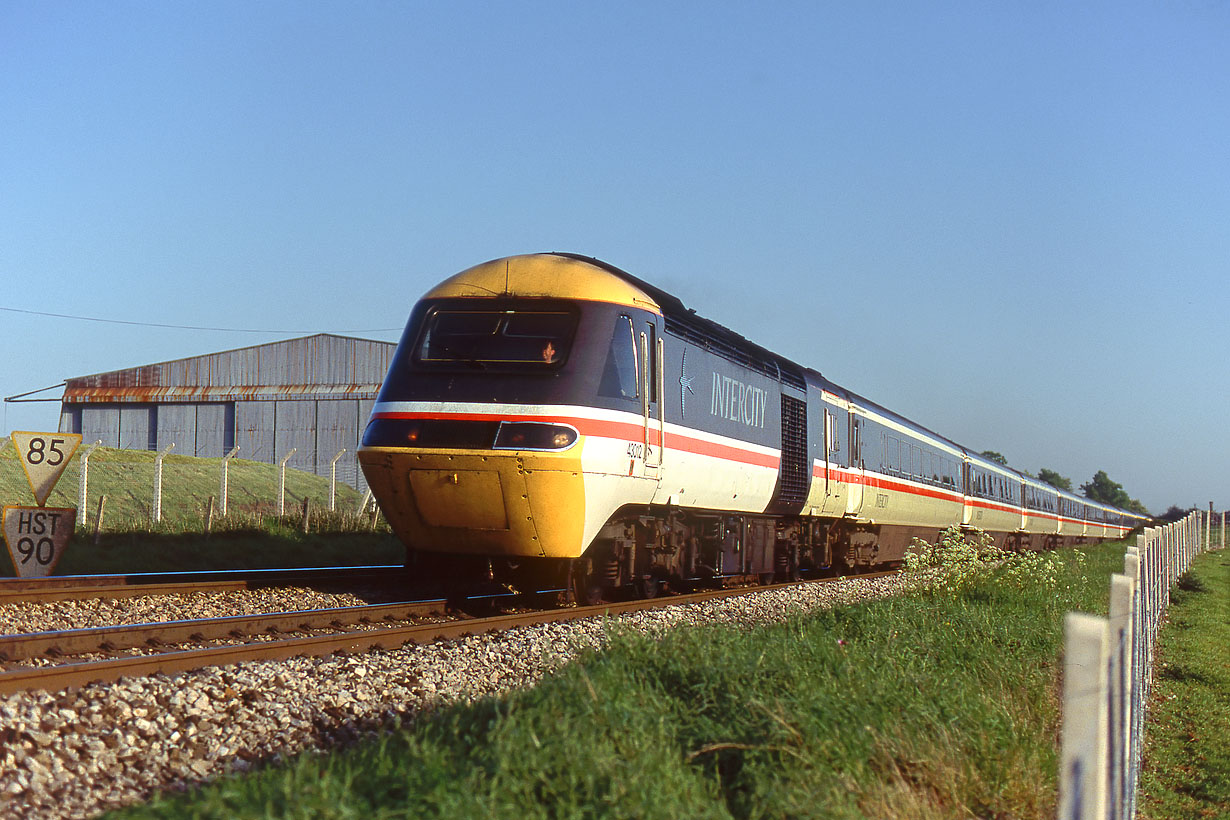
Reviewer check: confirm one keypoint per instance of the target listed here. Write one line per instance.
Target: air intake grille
(795, 479)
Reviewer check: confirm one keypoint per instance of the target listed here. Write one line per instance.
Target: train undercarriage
(641, 552)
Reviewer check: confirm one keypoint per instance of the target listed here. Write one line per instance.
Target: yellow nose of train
(477, 441)
(514, 504)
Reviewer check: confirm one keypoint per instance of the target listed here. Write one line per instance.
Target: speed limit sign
(36, 537)
(44, 456)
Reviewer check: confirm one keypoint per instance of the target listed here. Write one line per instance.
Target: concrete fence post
(222, 490)
(1209, 529)
(158, 481)
(1135, 693)
(1172, 534)
(282, 481)
(1083, 764)
(1121, 672)
(83, 481)
(333, 480)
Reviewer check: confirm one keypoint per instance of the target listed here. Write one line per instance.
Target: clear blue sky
(1010, 222)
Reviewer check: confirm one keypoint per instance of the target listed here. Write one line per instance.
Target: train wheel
(583, 588)
(591, 596)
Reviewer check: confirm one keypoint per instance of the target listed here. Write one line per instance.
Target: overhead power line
(190, 327)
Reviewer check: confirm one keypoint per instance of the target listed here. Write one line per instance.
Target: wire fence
(125, 490)
(1108, 670)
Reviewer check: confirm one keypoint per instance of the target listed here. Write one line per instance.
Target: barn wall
(215, 429)
(254, 426)
(101, 423)
(313, 395)
(295, 429)
(176, 424)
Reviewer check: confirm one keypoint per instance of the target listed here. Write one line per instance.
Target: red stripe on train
(624, 431)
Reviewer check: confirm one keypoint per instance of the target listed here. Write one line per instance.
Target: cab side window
(620, 375)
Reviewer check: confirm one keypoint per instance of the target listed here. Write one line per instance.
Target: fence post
(1131, 569)
(282, 481)
(1172, 535)
(158, 481)
(1122, 592)
(1194, 531)
(1209, 529)
(1082, 776)
(83, 483)
(226, 460)
(333, 480)
(98, 519)
(1194, 525)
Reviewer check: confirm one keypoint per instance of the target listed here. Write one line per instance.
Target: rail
(80, 587)
(275, 647)
(1108, 670)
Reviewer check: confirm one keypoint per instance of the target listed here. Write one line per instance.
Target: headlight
(533, 435)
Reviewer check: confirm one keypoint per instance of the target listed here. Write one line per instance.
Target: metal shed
(312, 394)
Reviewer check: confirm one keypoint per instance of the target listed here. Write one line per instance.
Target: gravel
(16, 619)
(78, 752)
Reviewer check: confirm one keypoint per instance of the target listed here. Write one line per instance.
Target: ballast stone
(119, 743)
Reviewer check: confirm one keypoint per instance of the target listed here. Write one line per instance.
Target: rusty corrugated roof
(185, 393)
(320, 366)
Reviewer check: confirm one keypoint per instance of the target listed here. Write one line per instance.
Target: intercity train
(549, 419)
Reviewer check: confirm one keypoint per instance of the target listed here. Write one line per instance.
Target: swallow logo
(685, 384)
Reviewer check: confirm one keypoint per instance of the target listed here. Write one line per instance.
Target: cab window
(533, 338)
(619, 375)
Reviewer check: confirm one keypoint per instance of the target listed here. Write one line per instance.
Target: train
(551, 421)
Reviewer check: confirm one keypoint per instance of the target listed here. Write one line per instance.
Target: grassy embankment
(936, 705)
(252, 535)
(1187, 749)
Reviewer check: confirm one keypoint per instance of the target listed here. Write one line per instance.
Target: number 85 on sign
(44, 456)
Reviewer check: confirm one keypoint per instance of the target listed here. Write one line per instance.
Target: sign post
(36, 536)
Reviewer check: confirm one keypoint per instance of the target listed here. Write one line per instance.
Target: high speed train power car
(551, 419)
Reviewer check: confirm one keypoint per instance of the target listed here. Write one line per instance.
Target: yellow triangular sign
(44, 456)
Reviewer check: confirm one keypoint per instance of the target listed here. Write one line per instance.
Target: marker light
(533, 435)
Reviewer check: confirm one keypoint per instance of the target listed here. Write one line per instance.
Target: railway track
(82, 587)
(261, 637)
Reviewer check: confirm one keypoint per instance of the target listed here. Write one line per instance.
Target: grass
(933, 705)
(126, 477)
(1187, 742)
(252, 535)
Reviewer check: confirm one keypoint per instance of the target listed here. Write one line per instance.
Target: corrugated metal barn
(313, 395)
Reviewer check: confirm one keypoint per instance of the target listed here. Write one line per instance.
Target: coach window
(620, 376)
